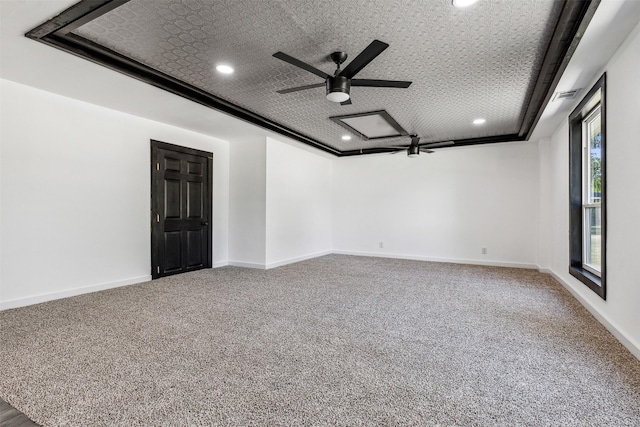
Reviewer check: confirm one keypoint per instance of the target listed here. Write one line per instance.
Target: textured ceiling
(464, 64)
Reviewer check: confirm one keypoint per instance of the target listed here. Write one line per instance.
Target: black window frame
(576, 218)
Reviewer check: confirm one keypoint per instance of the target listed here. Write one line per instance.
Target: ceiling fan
(339, 84)
(413, 149)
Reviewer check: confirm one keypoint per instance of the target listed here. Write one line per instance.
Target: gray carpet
(338, 340)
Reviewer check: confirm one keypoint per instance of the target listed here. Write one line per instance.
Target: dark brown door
(180, 209)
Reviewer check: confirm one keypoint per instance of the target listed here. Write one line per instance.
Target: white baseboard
(247, 265)
(297, 259)
(37, 299)
(434, 259)
(278, 263)
(630, 345)
(220, 264)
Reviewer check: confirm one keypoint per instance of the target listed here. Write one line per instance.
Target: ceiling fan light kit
(338, 88)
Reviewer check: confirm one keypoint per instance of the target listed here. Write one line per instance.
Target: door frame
(156, 209)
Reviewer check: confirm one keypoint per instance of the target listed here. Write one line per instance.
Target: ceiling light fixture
(338, 88)
(224, 69)
(461, 4)
(346, 137)
(479, 121)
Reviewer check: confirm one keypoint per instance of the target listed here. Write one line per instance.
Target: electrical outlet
(484, 251)
(381, 245)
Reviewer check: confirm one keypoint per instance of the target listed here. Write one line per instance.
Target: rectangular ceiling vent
(570, 94)
(371, 125)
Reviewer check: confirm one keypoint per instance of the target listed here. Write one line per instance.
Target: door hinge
(157, 217)
(157, 166)
(158, 270)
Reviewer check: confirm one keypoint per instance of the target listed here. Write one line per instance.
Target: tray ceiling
(482, 62)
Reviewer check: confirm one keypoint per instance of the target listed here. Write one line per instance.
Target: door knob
(204, 223)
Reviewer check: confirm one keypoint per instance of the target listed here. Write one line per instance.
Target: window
(587, 190)
(592, 186)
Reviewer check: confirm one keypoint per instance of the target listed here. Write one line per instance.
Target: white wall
(75, 182)
(247, 202)
(298, 211)
(280, 203)
(621, 311)
(442, 206)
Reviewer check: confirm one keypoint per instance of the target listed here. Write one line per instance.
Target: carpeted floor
(337, 340)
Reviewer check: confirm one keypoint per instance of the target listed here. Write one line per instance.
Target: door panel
(181, 209)
(172, 164)
(194, 168)
(172, 251)
(194, 200)
(172, 198)
(195, 241)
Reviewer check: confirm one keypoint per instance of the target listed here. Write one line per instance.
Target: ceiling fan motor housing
(338, 84)
(413, 150)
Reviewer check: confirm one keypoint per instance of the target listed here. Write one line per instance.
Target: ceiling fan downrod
(338, 87)
(338, 58)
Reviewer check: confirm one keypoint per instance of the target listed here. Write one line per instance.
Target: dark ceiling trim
(574, 20)
(72, 14)
(57, 32)
(93, 14)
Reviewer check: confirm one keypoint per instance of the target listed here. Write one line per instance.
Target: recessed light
(346, 137)
(224, 69)
(461, 4)
(479, 121)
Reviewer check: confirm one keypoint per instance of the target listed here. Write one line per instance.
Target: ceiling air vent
(570, 94)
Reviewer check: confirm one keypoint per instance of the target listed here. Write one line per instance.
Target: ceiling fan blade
(347, 102)
(293, 61)
(400, 150)
(367, 55)
(395, 148)
(296, 89)
(437, 144)
(380, 83)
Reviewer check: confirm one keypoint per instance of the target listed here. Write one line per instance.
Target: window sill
(591, 280)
